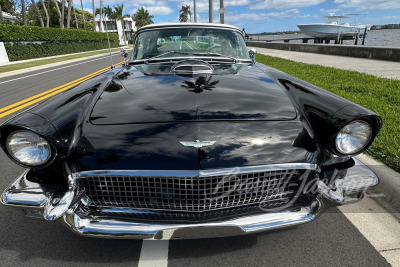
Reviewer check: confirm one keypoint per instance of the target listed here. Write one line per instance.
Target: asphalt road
(329, 241)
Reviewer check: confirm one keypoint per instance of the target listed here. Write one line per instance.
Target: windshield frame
(210, 58)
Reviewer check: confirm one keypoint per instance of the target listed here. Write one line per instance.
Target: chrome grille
(268, 189)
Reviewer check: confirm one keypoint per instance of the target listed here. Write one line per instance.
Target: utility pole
(195, 11)
(210, 11)
(221, 11)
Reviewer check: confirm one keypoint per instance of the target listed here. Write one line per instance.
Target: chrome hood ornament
(198, 143)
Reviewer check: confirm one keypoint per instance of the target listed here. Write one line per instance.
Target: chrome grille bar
(193, 194)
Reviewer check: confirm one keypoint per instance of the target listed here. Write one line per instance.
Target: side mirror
(253, 53)
(124, 53)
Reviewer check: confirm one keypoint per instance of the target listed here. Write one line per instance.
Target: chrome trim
(126, 210)
(23, 193)
(194, 173)
(154, 27)
(357, 179)
(111, 228)
(207, 59)
(29, 195)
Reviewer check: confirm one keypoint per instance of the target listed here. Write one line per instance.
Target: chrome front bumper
(37, 203)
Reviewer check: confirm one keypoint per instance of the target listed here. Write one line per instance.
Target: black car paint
(87, 138)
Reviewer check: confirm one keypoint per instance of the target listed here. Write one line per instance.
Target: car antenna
(108, 39)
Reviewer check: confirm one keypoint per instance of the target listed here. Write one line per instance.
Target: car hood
(136, 97)
(158, 146)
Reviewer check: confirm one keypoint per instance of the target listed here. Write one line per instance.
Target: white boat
(333, 28)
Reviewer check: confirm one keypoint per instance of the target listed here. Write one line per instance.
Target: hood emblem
(198, 143)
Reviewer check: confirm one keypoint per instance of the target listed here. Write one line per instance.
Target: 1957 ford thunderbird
(190, 138)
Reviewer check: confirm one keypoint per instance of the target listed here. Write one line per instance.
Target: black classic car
(190, 138)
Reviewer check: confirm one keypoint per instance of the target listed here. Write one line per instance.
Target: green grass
(41, 62)
(377, 94)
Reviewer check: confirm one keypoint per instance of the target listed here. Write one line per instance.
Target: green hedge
(15, 33)
(26, 42)
(20, 51)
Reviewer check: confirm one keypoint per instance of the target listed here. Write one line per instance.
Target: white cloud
(235, 17)
(159, 10)
(283, 4)
(329, 10)
(369, 4)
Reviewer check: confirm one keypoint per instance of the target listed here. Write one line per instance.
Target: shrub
(21, 51)
(26, 42)
(15, 33)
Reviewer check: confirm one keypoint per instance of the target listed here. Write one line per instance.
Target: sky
(267, 15)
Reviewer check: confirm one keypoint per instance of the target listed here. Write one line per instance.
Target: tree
(8, 6)
(69, 14)
(62, 13)
(94, 16)
(38, 13)
(142, 18)
(108, 12)
(185, 12)
(46, 13)
(118, 12)
(60, 21)
(23, 11)
(98, 12)
(83, 16)
(101, 15)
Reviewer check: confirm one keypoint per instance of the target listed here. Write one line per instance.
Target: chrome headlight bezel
(349, 131)
(40, 140)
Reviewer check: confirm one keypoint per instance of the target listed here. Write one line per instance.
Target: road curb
(387, 192)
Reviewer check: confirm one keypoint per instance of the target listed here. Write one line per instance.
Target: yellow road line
(39, 97)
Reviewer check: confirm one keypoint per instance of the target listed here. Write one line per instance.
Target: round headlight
(28, 148)
(353, 137)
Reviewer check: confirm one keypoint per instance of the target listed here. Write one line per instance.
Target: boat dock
(325, 40)
(371, 52)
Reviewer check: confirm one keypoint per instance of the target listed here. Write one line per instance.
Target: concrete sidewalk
(380, 68)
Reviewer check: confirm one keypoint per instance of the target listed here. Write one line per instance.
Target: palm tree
(46, 13)
(142, 18)
(23, 11)
(38, 13)
(185, 11)
(101, 15)
(59, 15)
(62, 13)
(108, 12)
(118, 13)
(69, 14)
(83, 16)
(94, 16)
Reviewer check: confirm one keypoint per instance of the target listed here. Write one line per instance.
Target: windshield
(163, 43)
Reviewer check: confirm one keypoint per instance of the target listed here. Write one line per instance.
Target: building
(115, 26)
(9, 17)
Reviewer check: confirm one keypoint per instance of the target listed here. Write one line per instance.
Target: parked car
(189, 139)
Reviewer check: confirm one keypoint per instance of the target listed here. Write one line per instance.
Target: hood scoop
(192, 68)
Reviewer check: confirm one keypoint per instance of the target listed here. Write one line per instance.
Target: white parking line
(378, 226)
(85, 61)
(154, 253)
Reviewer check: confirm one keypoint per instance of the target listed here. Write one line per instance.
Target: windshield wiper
(159, 58)
(145, 60)
(235, 60)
